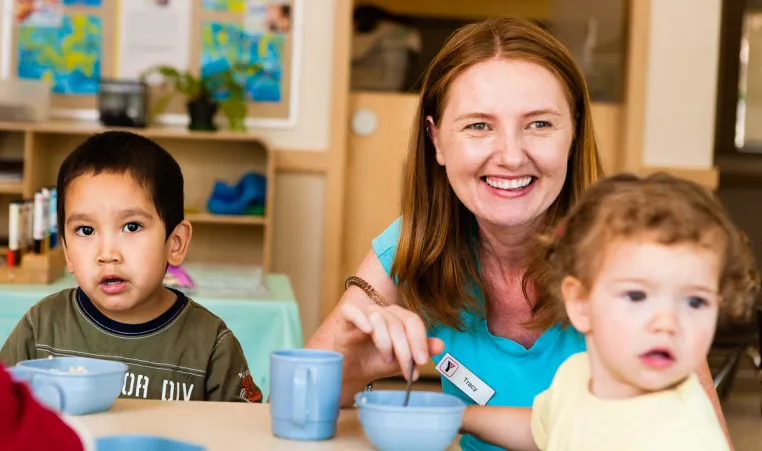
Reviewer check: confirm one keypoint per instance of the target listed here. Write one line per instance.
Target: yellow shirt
(567, 417)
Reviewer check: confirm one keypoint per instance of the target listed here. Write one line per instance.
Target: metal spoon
(409, 382)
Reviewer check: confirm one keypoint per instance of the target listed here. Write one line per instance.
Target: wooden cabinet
(374, 169)
(204, 157)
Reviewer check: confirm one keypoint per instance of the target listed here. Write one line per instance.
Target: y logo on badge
(449, 367)
(465, 380)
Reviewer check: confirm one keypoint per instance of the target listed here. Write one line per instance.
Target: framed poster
(62, 41)
(88, 39)
(263, 32)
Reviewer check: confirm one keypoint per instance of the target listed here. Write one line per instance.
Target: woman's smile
(509, 187)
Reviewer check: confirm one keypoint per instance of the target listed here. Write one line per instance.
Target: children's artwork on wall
(73, 43)
(72, 53)
(268, 16)
(39, 13)
(268, 33)
(68, 55)
(224, 44)
(227, 6)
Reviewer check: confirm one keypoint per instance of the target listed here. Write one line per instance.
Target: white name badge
(465, 380)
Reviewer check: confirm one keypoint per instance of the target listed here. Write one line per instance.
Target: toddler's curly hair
(659, 207)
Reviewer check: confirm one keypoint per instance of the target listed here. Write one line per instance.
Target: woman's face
(504, 139)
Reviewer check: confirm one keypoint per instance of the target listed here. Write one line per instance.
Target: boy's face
(116, 247)
(649, 317)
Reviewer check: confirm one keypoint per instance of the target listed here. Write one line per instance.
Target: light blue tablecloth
(261, 324)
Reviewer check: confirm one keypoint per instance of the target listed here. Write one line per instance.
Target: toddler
(644, 268)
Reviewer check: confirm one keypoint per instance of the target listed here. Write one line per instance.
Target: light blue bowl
(19, 375)
(73, 393)
(430, 422)
(143, 443)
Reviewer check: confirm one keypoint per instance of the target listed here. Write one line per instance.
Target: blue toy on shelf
(242, 198)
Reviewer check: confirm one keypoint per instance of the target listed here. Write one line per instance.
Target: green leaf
(162, 103)
(196, 87)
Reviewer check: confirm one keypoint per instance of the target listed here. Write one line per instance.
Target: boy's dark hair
(121, 152)
(662, 208)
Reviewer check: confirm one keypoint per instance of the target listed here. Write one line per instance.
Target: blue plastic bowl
(19, 375)
(430, 422)
(143, 443)
(73, 393)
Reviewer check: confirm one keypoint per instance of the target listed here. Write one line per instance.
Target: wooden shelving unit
(208, 218)
(11, 188)
(205, 157)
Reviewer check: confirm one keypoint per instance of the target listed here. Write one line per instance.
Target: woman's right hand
(376, 341)
(381, 341)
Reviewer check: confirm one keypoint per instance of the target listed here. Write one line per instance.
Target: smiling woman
(501, 147)
(517, 150)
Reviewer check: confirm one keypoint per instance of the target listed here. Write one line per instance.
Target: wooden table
(216, 425)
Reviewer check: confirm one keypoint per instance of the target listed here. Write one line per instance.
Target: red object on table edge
(27, 425)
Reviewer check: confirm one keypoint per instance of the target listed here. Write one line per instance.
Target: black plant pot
(201, 112)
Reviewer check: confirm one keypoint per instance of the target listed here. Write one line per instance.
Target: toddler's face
(115, 245)
(649, 317)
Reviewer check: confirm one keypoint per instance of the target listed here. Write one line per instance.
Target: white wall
(300, 198)
(682, 83)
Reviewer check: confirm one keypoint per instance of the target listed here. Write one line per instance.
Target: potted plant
(201, 92)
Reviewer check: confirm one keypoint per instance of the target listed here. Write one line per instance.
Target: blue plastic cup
(305, 388)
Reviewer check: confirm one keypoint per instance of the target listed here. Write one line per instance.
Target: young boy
(121, 221)
(644, 267)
